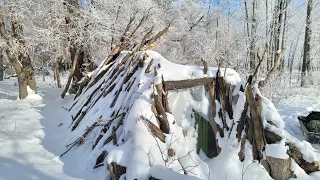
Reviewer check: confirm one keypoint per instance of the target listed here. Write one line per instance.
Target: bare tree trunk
(56, 71)
(306, 47)
(74, 65)
(43, 71)
(19, 59)
(283, 43)
(1, 65)
(58, 74)
(27, 69)
(253, 36)
(248, 29)
(24, 72)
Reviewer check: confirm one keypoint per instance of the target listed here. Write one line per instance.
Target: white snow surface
(144, 155)
(34, 132)
(31, 139)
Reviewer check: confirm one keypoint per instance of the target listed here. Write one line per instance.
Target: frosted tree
(307, 46)
(16, 48)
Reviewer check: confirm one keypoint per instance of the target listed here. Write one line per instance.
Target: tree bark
(74, 65)
(253, 36)
(187, 83)
(56, 72)
(1, 65)
(306, 46)
(20, 59)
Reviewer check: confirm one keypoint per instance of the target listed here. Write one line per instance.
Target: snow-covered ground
(299, 101)
(34, 131)
(31, 136)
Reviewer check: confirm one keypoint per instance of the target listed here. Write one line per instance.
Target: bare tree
(17, 52)
(307, 47)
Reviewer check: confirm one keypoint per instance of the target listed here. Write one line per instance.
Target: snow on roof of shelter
(137, 120)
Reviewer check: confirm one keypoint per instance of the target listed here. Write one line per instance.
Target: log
(154, 129)
(241, 152)
(256, 119)
(297, 156)
(98, 77)
(293, 152)
(149, 66)
(114, 135)
(162, 117)
(114, 54)
(187, 83)
(271, 137)
(242, 121)
(228, 102)
(279, 169)
(154, 47)
(130, 85)
(215, 127)
(158, 35)
(86, 103)
(165, 101)
(116, 170)
(100, 159)
(220, 91)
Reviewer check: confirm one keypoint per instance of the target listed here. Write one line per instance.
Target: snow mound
(110, 120)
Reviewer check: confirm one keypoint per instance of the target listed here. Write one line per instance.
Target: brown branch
(260, 61)
(154, 47)
(164, 123)
(149, 66)
(215, 127)
(205, 66)
(258, 129)
(187, 83)
(274, 69)
(154, 129)
(157, 36)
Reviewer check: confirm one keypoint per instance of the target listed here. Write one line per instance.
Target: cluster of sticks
(251, 128)
(111, 80)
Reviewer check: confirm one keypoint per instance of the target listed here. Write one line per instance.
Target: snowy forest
(159, 89)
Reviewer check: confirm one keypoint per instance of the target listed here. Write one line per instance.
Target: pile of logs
(116, 77)
(112, 79)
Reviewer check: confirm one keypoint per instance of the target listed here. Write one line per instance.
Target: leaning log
(256, 119)
(215, 126)
(297, 156)
(162, 117)
(154, 129)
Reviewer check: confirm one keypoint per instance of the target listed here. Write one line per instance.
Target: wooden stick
(205, 66)
(149, 66)
(215, 127)
(154, 47)
(154, 129)
(187, 83)
(259, 137)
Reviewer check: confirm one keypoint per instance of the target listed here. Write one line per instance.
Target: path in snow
(30, 138)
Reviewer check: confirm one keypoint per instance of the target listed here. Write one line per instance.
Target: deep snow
(34, 132)
(31, 139)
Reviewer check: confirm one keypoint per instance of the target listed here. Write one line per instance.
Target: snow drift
(118, 126)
